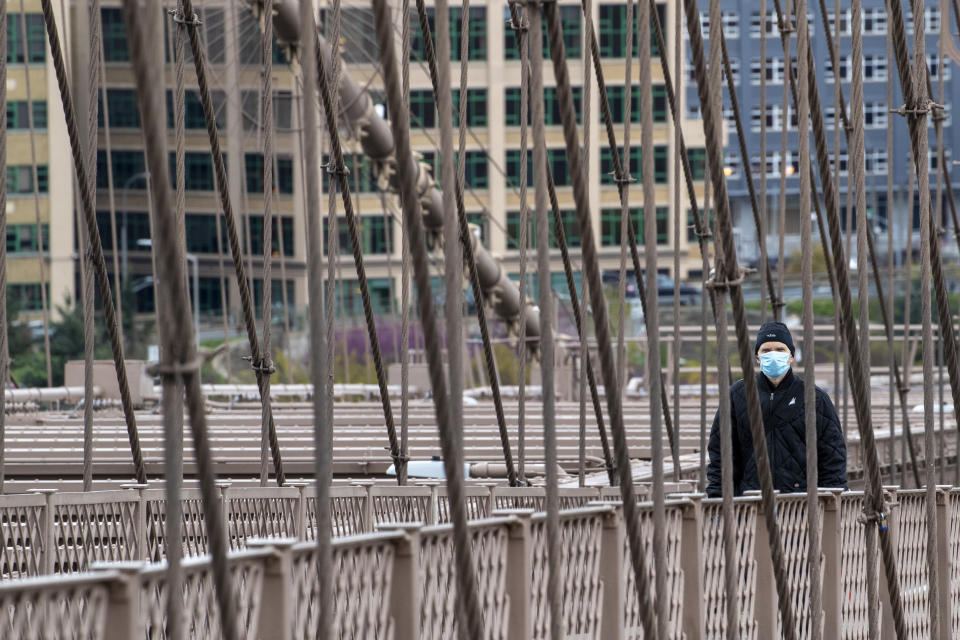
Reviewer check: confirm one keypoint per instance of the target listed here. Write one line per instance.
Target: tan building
(232, 37)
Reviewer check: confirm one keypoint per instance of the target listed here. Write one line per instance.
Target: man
(782, 403)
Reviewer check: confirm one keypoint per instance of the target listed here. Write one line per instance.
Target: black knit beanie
(774, 332)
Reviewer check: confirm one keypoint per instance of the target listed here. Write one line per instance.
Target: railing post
(766, 602)
(139, 520)
(831, 563)
(48, 554)
(300, 531)
(519, 577)
(887, 631)
(277, 592)
(124, 619)
(368, 518)
(405, 589)
(224, 486)
(612, 539)
(943, 559)
(691, 563)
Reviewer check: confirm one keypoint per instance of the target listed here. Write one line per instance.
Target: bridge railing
(400, 581)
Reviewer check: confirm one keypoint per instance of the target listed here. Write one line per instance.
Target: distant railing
(400, 582)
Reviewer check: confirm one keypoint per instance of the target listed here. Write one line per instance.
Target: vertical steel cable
(555, 579)
(93, 235)
(839, 113)
(764, 273)
(677, 224)
(521, 27)
(896, 476)
(906, 358)
(928, 235)
(601, 319)
(266, 364)
(322, 427)
(86, 271)
(704, 294)
(405, 275)
(623, 181)
(180, 358)
(42, 264)
(874, 505)
(108, 152)
(653, 320)
(338, 168)
(785, 26)
(938, 116)
(4, 345)
(332, 25)
(452, 456)
(814, 623)
(580, 309)
(729, 278)
(246, 301)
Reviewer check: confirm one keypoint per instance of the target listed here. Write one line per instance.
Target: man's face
(767, 347)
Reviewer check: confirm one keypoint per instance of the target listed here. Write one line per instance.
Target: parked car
(666, 287)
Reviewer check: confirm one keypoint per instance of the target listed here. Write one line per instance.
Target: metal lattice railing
(580, 531)
(62, 607)
(714, 596)
(853, 568)
(912, 560)
(794, 535)
(21, 534)
(953, 554)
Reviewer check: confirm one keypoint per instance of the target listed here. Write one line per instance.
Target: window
(114, 35)
(28, 295)
(615, 96)
(282, 175)
(771, 24)
(933, 64)
(201, 231)
(255, 223)
(875, 115)
(477, 34)
(571, 229)
(126, 165)
(556, 160)
(476, 172)
(933, 155)
(612, 31)
(360, 174)
(931, 19)
(610, 223)
(551, 106)
(18, 116)
(513, 230)
(730, 21)
(381, 296)
(20, 179)
(198, 170)
(23, 238)
(773, 164)
(422, 110)
(845, 28)
(874, 68)
(123, 110)
(874, 22)
(876, 162)
(36, 43)
(731, 166)
(193, 116)
(775, 70)
(845, 68)
(476, 107)
(210, 295)
(569, 22)
(276, 294)
(698, 162)
(659, 164)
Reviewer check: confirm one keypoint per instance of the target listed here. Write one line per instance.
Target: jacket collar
(764, 384)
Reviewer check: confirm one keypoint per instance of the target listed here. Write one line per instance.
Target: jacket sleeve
(714, 481)
(831, 446)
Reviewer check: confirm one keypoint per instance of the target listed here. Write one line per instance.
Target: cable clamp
(622, 179)
(522, 27)
(879, 518)
(918, 112)
(265, 366)
(179, 369)
(786, 28)
(706, 233)
(177, 15)
(778, 303)
(343, 170)
(726, 285)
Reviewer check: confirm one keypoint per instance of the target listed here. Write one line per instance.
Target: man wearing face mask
(782, 403)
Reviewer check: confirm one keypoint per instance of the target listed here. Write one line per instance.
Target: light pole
(195, 270)
(145, 175)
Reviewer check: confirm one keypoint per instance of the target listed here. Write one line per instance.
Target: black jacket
(783, 421)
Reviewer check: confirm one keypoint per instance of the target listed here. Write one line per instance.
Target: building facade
(232, 37)
(742, 28)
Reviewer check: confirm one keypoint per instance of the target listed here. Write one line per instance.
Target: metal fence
(399, 582)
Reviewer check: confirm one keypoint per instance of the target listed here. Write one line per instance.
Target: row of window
(875, 116)
(201, 232)
(212, 294)
(610, 220)
(376, 235)
(874, 22)
(28, 296)
(198, 170)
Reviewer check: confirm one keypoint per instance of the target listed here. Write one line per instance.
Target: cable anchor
(178, 17)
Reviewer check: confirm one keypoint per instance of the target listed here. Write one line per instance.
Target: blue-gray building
(742, 28)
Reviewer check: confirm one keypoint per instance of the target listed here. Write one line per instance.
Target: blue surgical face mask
(774, 363)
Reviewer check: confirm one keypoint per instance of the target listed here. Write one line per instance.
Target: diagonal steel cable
(601, 326)
(93, 236)
(180, 357)
(4, 346)
(266, 364)
(246, 301)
